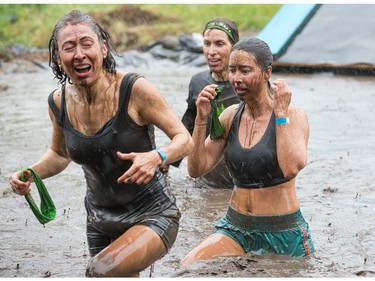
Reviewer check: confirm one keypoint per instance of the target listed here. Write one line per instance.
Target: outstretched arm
(54, 161)
(148, 106)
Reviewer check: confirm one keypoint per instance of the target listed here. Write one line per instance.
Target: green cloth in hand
(47, 211)
(217, 129)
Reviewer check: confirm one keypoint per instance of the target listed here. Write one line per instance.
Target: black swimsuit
(111, 207)
(256, 167)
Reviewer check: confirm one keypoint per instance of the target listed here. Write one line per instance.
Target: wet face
(81, 54)
(216, 49)
(245, 75)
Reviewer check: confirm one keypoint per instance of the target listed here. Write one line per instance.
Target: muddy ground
(336, 189)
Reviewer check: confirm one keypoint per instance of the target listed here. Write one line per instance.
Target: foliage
(133, 26)
(192, 17)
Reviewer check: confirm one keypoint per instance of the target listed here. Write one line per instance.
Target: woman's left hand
(143, 168)
(281, 97)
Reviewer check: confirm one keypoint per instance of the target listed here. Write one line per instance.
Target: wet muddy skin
(336, 189)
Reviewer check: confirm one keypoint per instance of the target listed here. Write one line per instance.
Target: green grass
(31, 24)
(192, 17)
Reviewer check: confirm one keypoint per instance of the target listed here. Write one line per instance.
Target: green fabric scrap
(217, 129)
(47, 211)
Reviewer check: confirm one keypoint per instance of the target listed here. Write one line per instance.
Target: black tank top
(256, 167)
(113, 207)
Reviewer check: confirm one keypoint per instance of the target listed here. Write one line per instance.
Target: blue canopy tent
(311, 38)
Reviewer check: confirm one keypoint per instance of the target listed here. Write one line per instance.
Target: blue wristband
(162, 155)
(282, 121)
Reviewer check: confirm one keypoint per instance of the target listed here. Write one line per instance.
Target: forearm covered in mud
(50, 164)
(179, 147)
(197, 159)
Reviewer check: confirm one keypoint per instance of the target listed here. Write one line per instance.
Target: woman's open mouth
(82, 69)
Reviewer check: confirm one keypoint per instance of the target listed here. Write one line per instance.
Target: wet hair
(74, 18)
(226, 25)
(258, 48)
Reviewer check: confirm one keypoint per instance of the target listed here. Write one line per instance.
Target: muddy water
(336, 189)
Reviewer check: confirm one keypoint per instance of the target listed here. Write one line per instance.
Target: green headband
(222, 26)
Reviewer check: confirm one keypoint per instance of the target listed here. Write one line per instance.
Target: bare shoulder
(227, 116)
(141, 83)
(145, 90)
(56, 96)
(146, 103)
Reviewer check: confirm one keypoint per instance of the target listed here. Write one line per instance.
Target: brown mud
(336, 189)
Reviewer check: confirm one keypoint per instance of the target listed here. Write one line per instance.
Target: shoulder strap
(126, 89)
(235, 120)
(238, 113)
(55, 110)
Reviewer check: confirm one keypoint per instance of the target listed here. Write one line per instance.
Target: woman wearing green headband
(219, 35)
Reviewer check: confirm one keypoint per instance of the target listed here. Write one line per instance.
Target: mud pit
(336, 189)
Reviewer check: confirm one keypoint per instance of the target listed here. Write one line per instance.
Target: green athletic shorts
(285, 234)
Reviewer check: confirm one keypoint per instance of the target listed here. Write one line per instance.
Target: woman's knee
(128, 255)
(216, 245)
(92, 269)
(99, 268)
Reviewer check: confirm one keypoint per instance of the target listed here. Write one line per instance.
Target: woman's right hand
(19, 187)
(203, 101)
